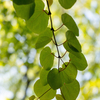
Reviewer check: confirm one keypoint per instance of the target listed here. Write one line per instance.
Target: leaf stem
(59, 27)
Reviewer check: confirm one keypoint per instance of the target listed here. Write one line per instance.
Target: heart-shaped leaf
(70, 23)
(46, 58)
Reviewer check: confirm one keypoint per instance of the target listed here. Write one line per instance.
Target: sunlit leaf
(70, 91)
(70, 23)
(46, 58)
(59, 97)
(73, 41)
(44, 92)
(54, 79)
(80, 63)
(43, 76)
(67, 3)
(69, 73)
(44, 38)
(24, 11)
(32, 97)
(39, 20)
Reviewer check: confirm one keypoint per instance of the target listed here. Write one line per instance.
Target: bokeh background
(19, 60)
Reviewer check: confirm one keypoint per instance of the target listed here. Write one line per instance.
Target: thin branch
(62, 43)
(64, 54)
(59, 27)
(54, 55)
(53, 41)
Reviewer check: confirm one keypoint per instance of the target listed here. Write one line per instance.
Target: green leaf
(24, 11)
(73, 41)
(46, 58)
(70, 91)
(32, 97)
(43, 76)
(44, 92)
(54, 79)
(67, 3)
(80, 63)
(59, 97)
(70, 23)
(71, 49)
(39, 20)
(69, 73)
(23, 2)
(44, 38)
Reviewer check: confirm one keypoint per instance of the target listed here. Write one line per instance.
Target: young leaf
(44, 92)
(69, 73)
(70, 91)
(71, 49)
(67, 3)
(80, 63)
(46, 58)
(73, 41)
(44, 38)
(39, 20)
(24, 11)
(32, 97)
(43, 76)
(59, 97)
(54, 79)
(70, 23)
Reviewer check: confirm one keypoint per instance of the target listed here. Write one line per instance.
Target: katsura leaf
(24, 11)
(70, 91)
(39, 20)
(54, 79)
(44, 38)
(43, 77)
(67, 3)
(32, 97)
(70, 23)
(69, 73)
(46, 58)
(71, 49)
(73, 41)
(59, 97)
(80, 63)
(43, 92)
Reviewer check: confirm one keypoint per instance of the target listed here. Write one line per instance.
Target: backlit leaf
(24, 11)
(39, 20)
(44, 38)
(69, 73)
(70, 23)
(59, 97)
(54, 79)
(46, 58)
(80, 63)
(44, 92)
(70, 91)
(43, 76)
(67, 3)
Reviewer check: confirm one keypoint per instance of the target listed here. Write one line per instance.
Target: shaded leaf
(32, 97)
(70, 91)
(44, 38)
(54, 79)
(43, 76)
(69, 73)
(46, 58)
(70, 23)
(67, 3)
(73, 41)
(80, 63)
(43, 92)
(24, 11)
(39, 20)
